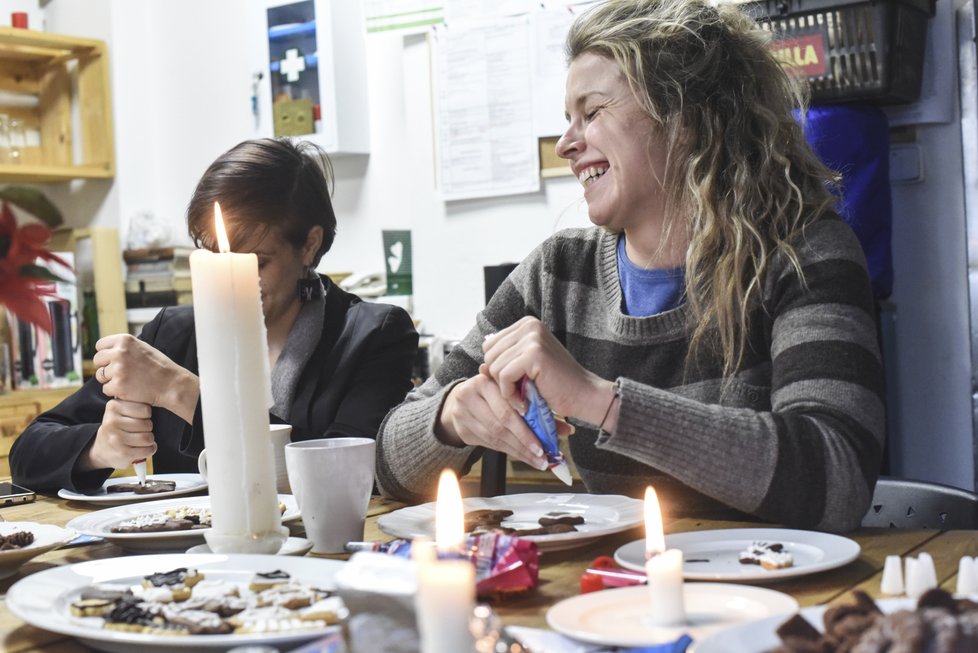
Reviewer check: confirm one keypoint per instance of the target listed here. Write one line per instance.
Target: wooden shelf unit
(46, 67)
(107, 270)
(17, 409)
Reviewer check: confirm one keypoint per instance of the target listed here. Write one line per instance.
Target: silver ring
(100, 374)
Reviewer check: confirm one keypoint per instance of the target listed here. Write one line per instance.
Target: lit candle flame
(223, 245)
(655, 541)
(449, 514)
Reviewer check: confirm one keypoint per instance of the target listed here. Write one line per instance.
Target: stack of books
(158, 277)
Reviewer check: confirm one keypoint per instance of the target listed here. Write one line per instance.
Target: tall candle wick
(223, 244)
(655, 542)
(449, 515)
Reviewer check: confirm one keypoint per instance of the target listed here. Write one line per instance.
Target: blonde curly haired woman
(714, 334)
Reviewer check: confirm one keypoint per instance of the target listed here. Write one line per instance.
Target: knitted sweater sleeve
(409, 455)
(813, 458)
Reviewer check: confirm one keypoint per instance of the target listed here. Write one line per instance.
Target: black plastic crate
(850, 51)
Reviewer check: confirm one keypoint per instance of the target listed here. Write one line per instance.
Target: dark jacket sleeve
(381, 375)
(43, 457)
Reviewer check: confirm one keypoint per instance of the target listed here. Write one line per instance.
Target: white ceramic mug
(279, 435)
(332, 480)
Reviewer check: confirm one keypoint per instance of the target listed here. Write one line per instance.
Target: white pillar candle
(446, 587)
(235, 395)
(664, 569)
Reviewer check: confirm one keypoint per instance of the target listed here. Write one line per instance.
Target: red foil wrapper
(504, 564)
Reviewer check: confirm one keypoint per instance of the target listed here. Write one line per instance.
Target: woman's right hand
(135, 371)
(125, 435)
(476, 414)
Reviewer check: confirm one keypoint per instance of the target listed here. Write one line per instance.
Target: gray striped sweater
(794, 437)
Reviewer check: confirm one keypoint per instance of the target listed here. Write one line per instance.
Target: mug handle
(202, 463)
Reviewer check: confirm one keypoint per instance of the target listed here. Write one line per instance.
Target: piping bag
(140, 468)
(540, 419)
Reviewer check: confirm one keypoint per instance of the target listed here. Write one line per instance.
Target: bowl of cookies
(22, 540)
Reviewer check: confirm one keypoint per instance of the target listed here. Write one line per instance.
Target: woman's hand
(475, 413)
(132, 370)
(528, 349)
(125, 435)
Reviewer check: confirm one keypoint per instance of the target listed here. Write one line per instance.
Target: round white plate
(43, 599)
(185, 484)
(712, 555)
(46, 538)
(620, 617)
(100, 523)
(603, 514)
(761, 636)
(293, 546)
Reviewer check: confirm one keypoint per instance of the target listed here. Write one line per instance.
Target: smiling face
(612, 146)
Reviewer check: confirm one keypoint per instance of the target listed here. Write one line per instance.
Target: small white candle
(235, 395)
(664, 569)
(446, 588)
(892, 581)
(967, 576)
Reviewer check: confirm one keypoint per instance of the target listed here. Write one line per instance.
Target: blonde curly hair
(741, 182)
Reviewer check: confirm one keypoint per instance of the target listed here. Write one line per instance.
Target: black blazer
(360, 370)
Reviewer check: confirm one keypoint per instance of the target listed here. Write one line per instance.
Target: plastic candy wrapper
(504, 564)
(540, 419)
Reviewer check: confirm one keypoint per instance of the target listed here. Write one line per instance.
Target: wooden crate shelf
(44, 69)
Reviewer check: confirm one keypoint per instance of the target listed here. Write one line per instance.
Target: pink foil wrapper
(504, 564)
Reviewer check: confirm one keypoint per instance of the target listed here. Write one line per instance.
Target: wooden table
(560, 571)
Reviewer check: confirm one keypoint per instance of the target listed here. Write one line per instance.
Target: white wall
(182, 85)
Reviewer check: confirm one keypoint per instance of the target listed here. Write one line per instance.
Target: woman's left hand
(527, 348)
(133, 370)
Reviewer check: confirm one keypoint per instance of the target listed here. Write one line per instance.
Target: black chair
(493, 479)
(907, 504)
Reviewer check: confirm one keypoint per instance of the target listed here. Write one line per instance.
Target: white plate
(185, 484)
(603, 514)
(619, 617)
(712, 555)
(100, 523)
(293, 546)
(46, 538)
(43, 599)
(761, 636)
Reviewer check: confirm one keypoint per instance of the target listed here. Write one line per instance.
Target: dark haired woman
(338, 364)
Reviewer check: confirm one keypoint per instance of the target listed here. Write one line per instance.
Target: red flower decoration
(22, 282)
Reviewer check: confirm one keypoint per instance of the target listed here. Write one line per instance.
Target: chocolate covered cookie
(151, 486)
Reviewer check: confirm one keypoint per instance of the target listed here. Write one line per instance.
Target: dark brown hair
(264, 184)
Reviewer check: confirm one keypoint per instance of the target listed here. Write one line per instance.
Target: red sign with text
(804, 53)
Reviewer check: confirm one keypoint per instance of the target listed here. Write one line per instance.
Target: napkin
(550, 642)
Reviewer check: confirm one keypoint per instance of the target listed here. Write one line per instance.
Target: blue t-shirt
(648, 292)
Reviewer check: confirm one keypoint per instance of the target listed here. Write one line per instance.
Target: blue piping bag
(540, 419)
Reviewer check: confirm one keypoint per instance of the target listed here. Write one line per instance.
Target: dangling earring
(307, 285)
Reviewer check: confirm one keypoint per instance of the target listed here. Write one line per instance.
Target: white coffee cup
(279, 435)
(332, 480)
